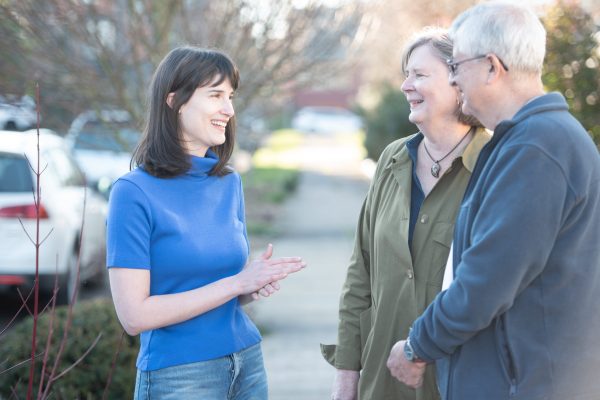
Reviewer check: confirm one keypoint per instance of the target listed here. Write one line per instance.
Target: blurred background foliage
(387, 121)
(89, 54)
(573, 62)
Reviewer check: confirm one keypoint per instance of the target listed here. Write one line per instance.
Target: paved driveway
(318, 224)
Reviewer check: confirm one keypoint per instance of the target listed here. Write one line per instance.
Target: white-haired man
(521, 319)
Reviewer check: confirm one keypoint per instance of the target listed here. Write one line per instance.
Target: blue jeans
(238, 376)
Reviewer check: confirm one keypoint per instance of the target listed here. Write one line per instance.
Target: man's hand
(408, 372)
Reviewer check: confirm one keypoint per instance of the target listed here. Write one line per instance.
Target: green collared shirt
(387, 286)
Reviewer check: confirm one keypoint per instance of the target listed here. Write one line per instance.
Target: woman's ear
(170, 98)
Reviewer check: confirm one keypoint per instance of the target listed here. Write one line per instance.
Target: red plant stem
(112, 367)
(23, 305)
(67, 325)
(49, 337)
(36, 282)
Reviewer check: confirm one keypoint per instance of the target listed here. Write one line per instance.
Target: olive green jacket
(386, 287)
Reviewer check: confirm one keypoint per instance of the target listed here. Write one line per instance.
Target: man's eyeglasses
(453, 65)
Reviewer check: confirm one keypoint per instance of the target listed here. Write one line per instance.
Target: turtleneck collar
(201, 166)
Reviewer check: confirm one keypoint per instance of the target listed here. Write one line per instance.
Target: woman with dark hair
(177, 245)
(405, 228)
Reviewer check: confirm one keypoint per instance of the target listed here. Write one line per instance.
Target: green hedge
(88, 379)
(386, 122)
(270, 184)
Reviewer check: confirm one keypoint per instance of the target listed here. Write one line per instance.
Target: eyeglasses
(453, 65)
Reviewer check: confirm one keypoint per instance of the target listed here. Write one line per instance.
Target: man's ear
(495, 68)
(170, 98)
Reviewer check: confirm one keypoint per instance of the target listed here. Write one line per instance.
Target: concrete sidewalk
(318, 224)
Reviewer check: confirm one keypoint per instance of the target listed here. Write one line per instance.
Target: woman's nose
(228, 108)
(406, 85)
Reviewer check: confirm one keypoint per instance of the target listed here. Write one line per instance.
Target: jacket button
(424, 218)
(409, 273)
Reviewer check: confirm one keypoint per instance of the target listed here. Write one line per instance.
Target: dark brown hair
(161, 151)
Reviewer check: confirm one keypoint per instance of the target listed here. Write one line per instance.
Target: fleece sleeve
(524, 200)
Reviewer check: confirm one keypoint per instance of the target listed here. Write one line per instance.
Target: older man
(521, 319)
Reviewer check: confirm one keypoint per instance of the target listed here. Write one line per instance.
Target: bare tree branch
(94, 343)
(104, 53)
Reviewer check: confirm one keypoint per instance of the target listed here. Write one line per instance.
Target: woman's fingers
(285, 260)
(269, 288)
(268, 253)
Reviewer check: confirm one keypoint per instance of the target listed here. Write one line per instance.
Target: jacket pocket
(442, 233)
(505, 355)
(441, 236)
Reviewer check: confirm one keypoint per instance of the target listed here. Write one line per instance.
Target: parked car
(60, 212)
(17, 115)
(103, 142)
(326, 120)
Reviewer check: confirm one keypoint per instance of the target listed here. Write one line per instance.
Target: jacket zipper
(512, 375)
(451, 374)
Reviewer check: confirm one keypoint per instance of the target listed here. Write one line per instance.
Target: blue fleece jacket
(189, 231)
(522, 318)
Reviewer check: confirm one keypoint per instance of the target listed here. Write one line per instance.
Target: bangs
(221, 68)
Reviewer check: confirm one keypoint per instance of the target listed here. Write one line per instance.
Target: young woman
(177, 246)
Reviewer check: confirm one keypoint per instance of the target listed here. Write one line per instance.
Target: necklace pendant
(435, 170)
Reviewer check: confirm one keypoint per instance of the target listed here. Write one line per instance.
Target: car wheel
(10, 126)
(68, 282)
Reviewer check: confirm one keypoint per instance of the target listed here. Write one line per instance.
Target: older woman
(405, 228)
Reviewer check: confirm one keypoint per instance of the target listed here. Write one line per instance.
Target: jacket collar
(553, 101)
(469, 156)
(401, 158)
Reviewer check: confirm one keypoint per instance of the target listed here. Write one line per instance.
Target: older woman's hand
(345, 385)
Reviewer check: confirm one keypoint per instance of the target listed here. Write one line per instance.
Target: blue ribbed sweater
(189, 231)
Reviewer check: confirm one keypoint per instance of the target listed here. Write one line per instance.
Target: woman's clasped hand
(262, 275)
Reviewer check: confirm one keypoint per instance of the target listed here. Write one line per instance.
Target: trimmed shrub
(270, 184)
(387, 122)
(88, 379)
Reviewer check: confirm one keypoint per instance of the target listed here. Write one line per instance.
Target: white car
(326, 120)
(17, 115)
(102, 142)
(60, 210)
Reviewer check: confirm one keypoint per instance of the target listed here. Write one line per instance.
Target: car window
(15, 174)
(111, 136)
(65, 168)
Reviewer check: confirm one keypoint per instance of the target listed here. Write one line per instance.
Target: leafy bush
(88, 379)
(572, 64)
(386, 122)
(264, 189)
(271, 185)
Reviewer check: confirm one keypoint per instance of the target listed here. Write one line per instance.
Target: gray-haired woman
(405, 228)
